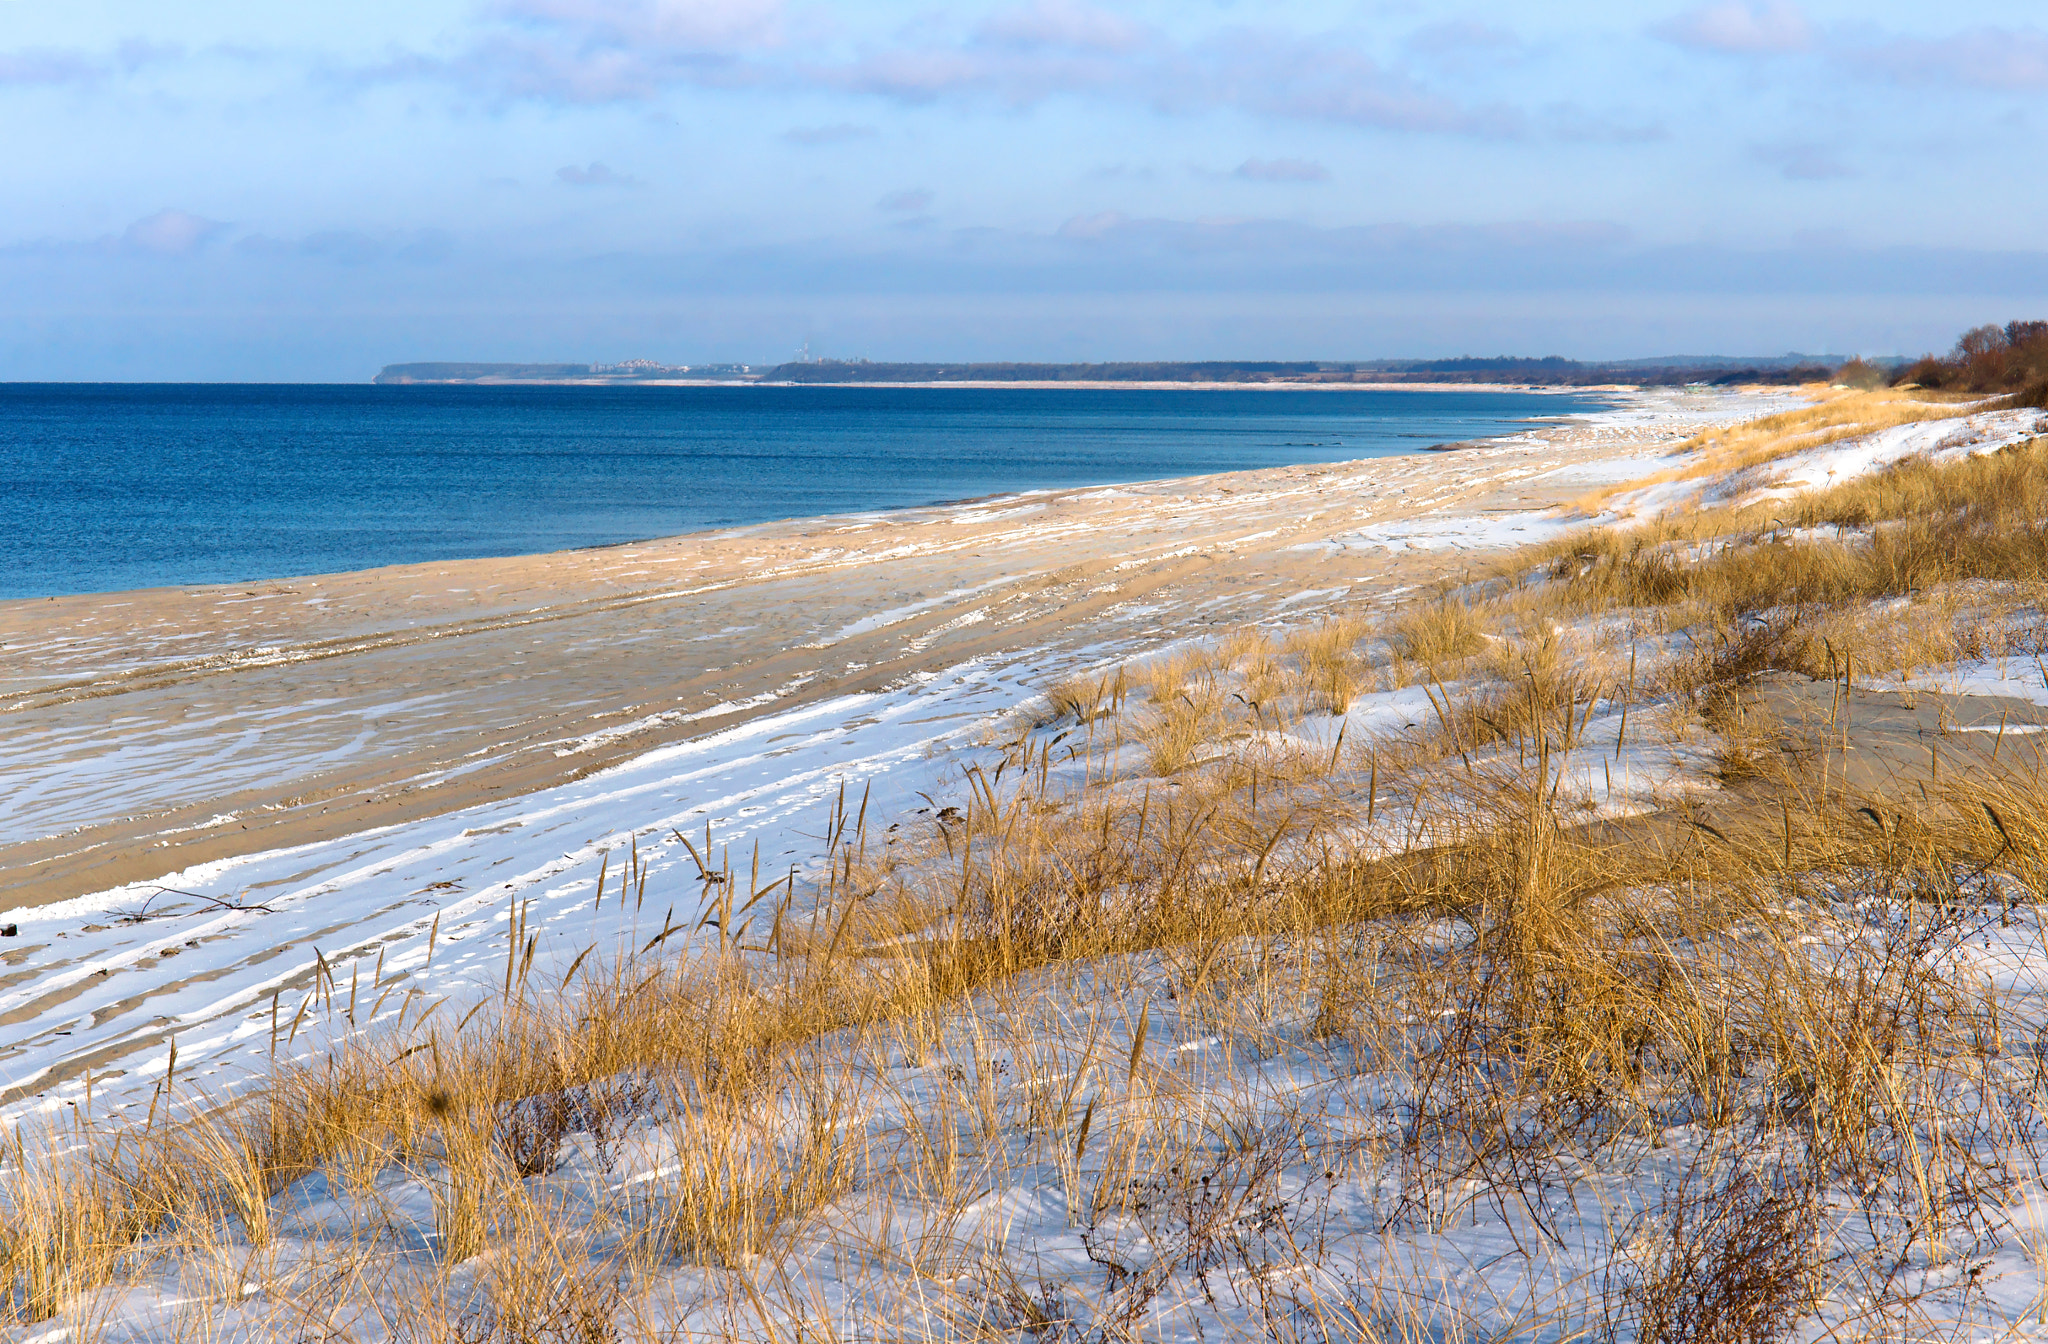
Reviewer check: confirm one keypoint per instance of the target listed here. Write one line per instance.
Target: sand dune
(356, 762)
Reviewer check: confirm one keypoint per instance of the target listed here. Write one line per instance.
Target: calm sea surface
(106, 487)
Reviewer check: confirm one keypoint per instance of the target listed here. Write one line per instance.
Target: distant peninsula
(1552, 370)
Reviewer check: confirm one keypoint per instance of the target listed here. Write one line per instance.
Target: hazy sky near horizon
(223, 189)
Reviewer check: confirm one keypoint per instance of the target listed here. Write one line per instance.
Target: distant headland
(1552, 371)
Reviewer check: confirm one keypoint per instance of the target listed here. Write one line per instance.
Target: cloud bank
(1740, 28)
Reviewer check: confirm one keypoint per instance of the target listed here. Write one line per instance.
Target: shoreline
(399, 569)
(337, 761)
(1614, 398)
(409, 603)
(1077, 385)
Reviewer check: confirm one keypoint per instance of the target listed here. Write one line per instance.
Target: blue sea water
(109, 487)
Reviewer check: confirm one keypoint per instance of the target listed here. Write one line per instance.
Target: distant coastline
(1071, 385)
(1505, 373)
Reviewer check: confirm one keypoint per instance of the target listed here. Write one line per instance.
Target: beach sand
(360, 752)
(313, 707)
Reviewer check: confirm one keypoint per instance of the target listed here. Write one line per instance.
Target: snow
(1284, 1191)
(419, 914)
(606, 736)
(202, 968)
(1456, 532)
(1295, 1185)
(2019, 678)
(77, 775)
(1945, 440)
(896, 615)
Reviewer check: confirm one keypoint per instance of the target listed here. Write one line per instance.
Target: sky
(227, 190)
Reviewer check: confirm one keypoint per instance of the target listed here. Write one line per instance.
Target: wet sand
(148, 731)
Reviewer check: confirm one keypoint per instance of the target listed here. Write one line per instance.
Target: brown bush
(1987, 359)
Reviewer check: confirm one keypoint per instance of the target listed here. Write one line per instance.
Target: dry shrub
(1533, 991)
(1175, 737)
(1988, 359)
(1727, 1254)
(736, 1187)
(77, 1215)
(1165, 678)
(1539, 701)
(1749, 736)
(67, 1225)
(1182, 716)
(1438, 635)
(236, 1150)
(1979, 526)
(542, 1294)
(1245, 649)
(471, 1176)
(1990, 494)
(1325, 668)
(1611, 568)
(1723, 450)
(1083, 697)
(1603, 982)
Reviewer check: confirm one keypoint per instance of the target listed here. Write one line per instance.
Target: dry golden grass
(1606, 987)
(1438, 636)
(1837, 416)
(1325, 663)
(1536, 996)
(1964, 544)
(1087, 696)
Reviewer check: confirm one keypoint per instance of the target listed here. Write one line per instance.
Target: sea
(107, 487)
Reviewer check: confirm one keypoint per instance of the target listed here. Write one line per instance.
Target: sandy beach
(340, 761)
(341, 865)
(155, 729)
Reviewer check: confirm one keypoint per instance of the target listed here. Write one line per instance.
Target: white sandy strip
(1452, 533)
(2021, 678)
(1936, 440)
(58, 779)
(206, 974)
(1946, 440)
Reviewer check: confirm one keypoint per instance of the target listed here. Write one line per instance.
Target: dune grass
(1139, 993)
(1835, 416)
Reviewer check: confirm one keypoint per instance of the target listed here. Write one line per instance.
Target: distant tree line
(1557, 371)
(1207, 371)
(2011, 358)
(1988, 359)
(1548, 370)
(457, 372)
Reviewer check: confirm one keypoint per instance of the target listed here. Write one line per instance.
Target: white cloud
(592, 52)
(1103, 225)
(910, 201)
(46, 66)
(1317, 79)
(667, 23)
(1740, 28)
(1466, 44)
(595, 175)
(171, 232)
(606, 51)
(836, 134)
(1063, 23)
(1282, 170)
(1802, 160)
(1985, 58)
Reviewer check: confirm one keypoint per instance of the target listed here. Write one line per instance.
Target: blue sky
(222, 189)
